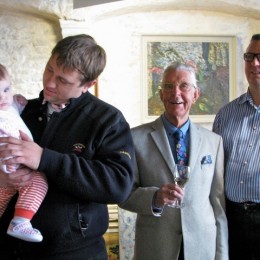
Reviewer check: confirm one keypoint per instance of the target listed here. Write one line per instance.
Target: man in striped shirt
(239, 124)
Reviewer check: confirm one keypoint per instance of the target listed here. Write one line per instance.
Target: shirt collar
(248, 98)
(170, 128)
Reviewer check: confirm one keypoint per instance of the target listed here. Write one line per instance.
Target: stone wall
(25, 46)
(30, 29)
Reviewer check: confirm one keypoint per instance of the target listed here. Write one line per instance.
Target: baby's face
(6, 94)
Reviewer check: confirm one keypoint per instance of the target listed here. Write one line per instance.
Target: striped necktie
(181, 149)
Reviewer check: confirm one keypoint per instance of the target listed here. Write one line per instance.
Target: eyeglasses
(183, 87)
(249, 57)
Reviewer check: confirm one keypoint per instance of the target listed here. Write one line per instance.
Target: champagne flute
(181, 176)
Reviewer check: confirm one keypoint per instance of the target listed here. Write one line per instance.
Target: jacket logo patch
(78, 148)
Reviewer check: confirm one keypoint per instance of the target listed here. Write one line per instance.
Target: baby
(30, 197)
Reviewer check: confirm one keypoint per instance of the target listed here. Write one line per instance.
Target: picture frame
(213, 58)
(94, 89)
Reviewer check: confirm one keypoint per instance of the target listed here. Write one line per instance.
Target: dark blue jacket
(88, 160)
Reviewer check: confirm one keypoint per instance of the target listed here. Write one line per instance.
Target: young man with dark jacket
(83, 146)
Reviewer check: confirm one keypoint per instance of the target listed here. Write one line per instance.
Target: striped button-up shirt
(239, 125)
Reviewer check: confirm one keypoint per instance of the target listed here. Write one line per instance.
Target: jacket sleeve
(102, 174)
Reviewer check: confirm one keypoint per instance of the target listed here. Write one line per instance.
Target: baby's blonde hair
(3, 72)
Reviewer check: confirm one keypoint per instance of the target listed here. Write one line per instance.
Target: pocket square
(206, 159)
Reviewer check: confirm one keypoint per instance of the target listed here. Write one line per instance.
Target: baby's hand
(20, 102)
(21, 99)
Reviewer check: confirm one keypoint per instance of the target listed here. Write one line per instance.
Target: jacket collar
(72, 102)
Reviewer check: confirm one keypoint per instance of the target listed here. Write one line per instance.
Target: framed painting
(213, 58)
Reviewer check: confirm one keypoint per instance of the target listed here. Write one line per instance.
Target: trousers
(244, 230)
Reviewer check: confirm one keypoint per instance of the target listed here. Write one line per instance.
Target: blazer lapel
(160, 138)
(195, 144)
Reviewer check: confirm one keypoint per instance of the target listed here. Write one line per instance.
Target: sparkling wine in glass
(181, 176)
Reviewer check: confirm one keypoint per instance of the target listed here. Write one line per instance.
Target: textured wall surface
(30, 28)
(26, 42)
(119, 28)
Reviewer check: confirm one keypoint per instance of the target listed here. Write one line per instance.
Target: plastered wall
(120, 32)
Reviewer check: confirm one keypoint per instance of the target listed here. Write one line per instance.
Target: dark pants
(12, 255)
(181, 255)
(244, 230)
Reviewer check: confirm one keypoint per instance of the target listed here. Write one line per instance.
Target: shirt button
(254, 127)
(40, 118)
(250, 145)
(245, 162)
(241, 182)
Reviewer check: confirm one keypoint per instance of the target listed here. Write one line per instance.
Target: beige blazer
(202, 222)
